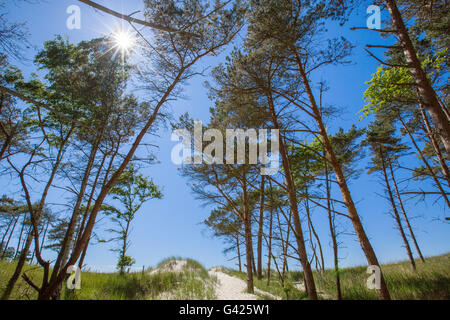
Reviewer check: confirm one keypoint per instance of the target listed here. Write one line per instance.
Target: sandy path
(233, 288)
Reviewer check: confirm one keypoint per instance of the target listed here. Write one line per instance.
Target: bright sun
(124, 40)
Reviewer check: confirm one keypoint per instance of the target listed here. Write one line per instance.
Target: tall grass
(430, 281)
(193, 282)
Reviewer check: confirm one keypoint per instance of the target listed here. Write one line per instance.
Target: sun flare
(124, 40)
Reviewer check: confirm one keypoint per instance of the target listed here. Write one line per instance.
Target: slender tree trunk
(308, 214)
(285, 248)
(427, 94)
(436, 148)
(413, 237)
(260, 228)
(292, 195)
(43, 240)
(424, 160)
(81, 243)
(124, 246)
(238, 253)
(35, 218)
(249, 256)
(269, 247)
(331, 218)
(7, 231)
(20, 237)
(248, 236)
(396, 215)
(366, 246)
(69, 238)
(9, 238)
(83, 256)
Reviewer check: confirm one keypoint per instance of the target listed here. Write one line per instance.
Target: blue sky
(172, 226)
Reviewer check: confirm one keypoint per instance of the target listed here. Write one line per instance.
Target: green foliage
(124, 261)
(387, 86)
(394, 86)
(132, 190)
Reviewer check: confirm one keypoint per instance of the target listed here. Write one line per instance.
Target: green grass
(431, 281)
(192, 283)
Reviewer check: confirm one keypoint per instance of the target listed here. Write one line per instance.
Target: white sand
(233, 288)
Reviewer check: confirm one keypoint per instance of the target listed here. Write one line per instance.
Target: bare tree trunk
(69, 238)
(81, 243)
(269, 247)
(308, 214)
(35, 218)
(83, 256)
(396, 215)
(438, 152)
(20, 237)
(248, 236)
(430, 170)
(285, 248)
(260, 228)
(413, 237)
(366, 246)
(292, 195)
(426, 92)
(238, 253)
(7, 231)
(331, 217)
(9, 238)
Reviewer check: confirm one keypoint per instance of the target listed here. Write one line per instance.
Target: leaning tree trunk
(366, 246)
(400, 202)
(23, 255)
(313, 230)
(69, 238)
(425, 162)
(9, 239)
(2, 242)
(20, 236)
(238, 253)
(426, 92)
(292, 196)
(435, 144)
(396, 215)
(333, 235)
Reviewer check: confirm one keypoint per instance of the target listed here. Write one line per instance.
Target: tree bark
(366, 246)
(269, 247)
(400, 202)
(260, 228)
(427, 165)
(9, 239)
(248, 236)
(396, 215)
(437, 150)
(331, 217)
(292, 195)
(35, 218)
(238, 253)
(427, 94)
